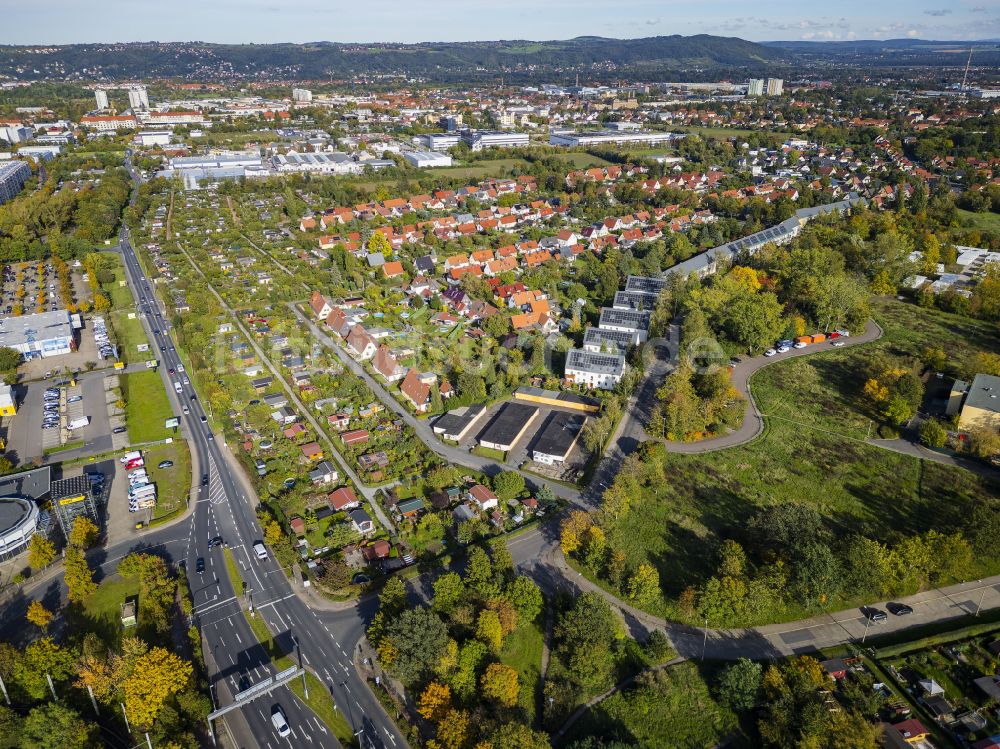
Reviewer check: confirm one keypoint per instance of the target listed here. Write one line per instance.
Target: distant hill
(593, 56)
(882, 52)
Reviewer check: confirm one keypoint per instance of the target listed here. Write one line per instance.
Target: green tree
(526, 597)
(932, 434)
(738, 685)
(508, 485)
(449, 591)
(513, 735)
(9, 359)
(418, 638)
(489, 630)
(478, 568)
(10, 728)
(43, 657)
(392, 599)
(55, 726)
(644, 586)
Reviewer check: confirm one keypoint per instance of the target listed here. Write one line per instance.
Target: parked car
(770, 352)
(899, 609)
(165, 464)
(119, 430)
(874, 615)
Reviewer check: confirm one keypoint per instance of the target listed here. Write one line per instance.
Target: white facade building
(427, 159)
(13, 175)
(101, 97)
(594, 370)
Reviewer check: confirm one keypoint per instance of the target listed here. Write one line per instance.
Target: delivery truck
(78, 423)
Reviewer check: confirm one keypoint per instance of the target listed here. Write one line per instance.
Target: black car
(204, 479)
(899, 609)
(119, 430)
(874, 615)
(199, 566)
(217, 541)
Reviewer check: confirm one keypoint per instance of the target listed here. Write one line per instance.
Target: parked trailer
(818, 338)
(78, 423)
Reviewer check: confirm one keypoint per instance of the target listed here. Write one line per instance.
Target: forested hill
(645, 58)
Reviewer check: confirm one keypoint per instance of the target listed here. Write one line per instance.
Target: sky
(261, 21)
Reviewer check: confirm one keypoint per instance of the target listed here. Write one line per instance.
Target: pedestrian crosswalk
(216, 491)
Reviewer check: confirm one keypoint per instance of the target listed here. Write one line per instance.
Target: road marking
(238, 637)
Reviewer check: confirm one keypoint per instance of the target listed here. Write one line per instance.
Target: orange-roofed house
(393, 269)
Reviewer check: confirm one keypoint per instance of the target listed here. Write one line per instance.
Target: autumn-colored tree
(40, 658)
(644, 587)
(272, 533)
(435, 701)
(79, 577)
(378, 242)
(449, 660)
(39, 615)
(156, 675)
(572, 530)
(499, 682)
(506, 613)
(84, 532)
(41, 552)
(453, 730)
(743, 276)
(489, 629)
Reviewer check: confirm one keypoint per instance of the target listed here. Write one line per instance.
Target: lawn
(987, 221)
(146, 406)
(478, 169)
(669, 709)
(522, 651)
(811, 451)
(103, 608)
(582, 160)
(121, 296)
(129, 333)
(172, 484)
(728, 132)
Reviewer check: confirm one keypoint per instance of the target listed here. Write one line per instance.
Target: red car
(133, 464)
(831, 336)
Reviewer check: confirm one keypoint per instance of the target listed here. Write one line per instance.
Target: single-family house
(483, 498)
(343, 499)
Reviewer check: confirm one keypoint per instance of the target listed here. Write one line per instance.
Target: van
(130, 456)
(260, 550)
(177, 386)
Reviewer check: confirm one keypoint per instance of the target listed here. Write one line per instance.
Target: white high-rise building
(102, 98)
(755, 87)
(137, 98)
(302, 95)
(775, 86)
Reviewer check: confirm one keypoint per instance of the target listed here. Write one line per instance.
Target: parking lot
(22, 283)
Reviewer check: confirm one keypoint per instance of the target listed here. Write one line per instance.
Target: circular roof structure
(18, 521)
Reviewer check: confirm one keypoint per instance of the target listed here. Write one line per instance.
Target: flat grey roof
(42, 326)
(34, 484)
(12, 511)
(559, 433)
(454, 422)
(508, 423)
(984, 393)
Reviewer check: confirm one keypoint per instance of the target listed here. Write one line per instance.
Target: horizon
(254, 22)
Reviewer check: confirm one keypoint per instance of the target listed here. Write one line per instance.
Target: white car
(838, 343)
(279, 722)
(783, 349)
(770, 352)
(800, 344)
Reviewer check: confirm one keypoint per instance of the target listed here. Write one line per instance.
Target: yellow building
(7, 405)
(982, 404)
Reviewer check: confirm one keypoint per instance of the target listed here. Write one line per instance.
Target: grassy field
(121, 296)
(728, 132)
(480, 169)
(146, 406)
(659, 712)
(522, 651)
(582, 160)
(103, 609)
(983, 221)
(130, 333)
(811, 451)
(172, 484)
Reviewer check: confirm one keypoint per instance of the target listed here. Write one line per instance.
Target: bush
(932, 434)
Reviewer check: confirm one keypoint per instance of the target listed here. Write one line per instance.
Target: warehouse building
(41, 335)
(594, 370)
(587, 138)
(508, 426)
(13, 175)
(455, 425)
(477, 140)
(427, 159)
(555, 441)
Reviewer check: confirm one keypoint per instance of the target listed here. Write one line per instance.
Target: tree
(392, 600)
(40, 658)
(489, 630)
(10, 728)
(157, 674)
(157, 587)
(449, 590)
(526, 597)
(932, 434)
(435, 701)
(470, 656)
(478, 568)
(9, 359)
(503, 562)
(572, 530)
(84, 532)
(39, 615)
(55, 726)
(273, 533)
(738, 685)
(79, 577)
(418, 638)
(453, 730)
(499, 682)
(644, 587)
(379, 242)
(508, 485)
(506, 612)
(519, 736)
(41, 552)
